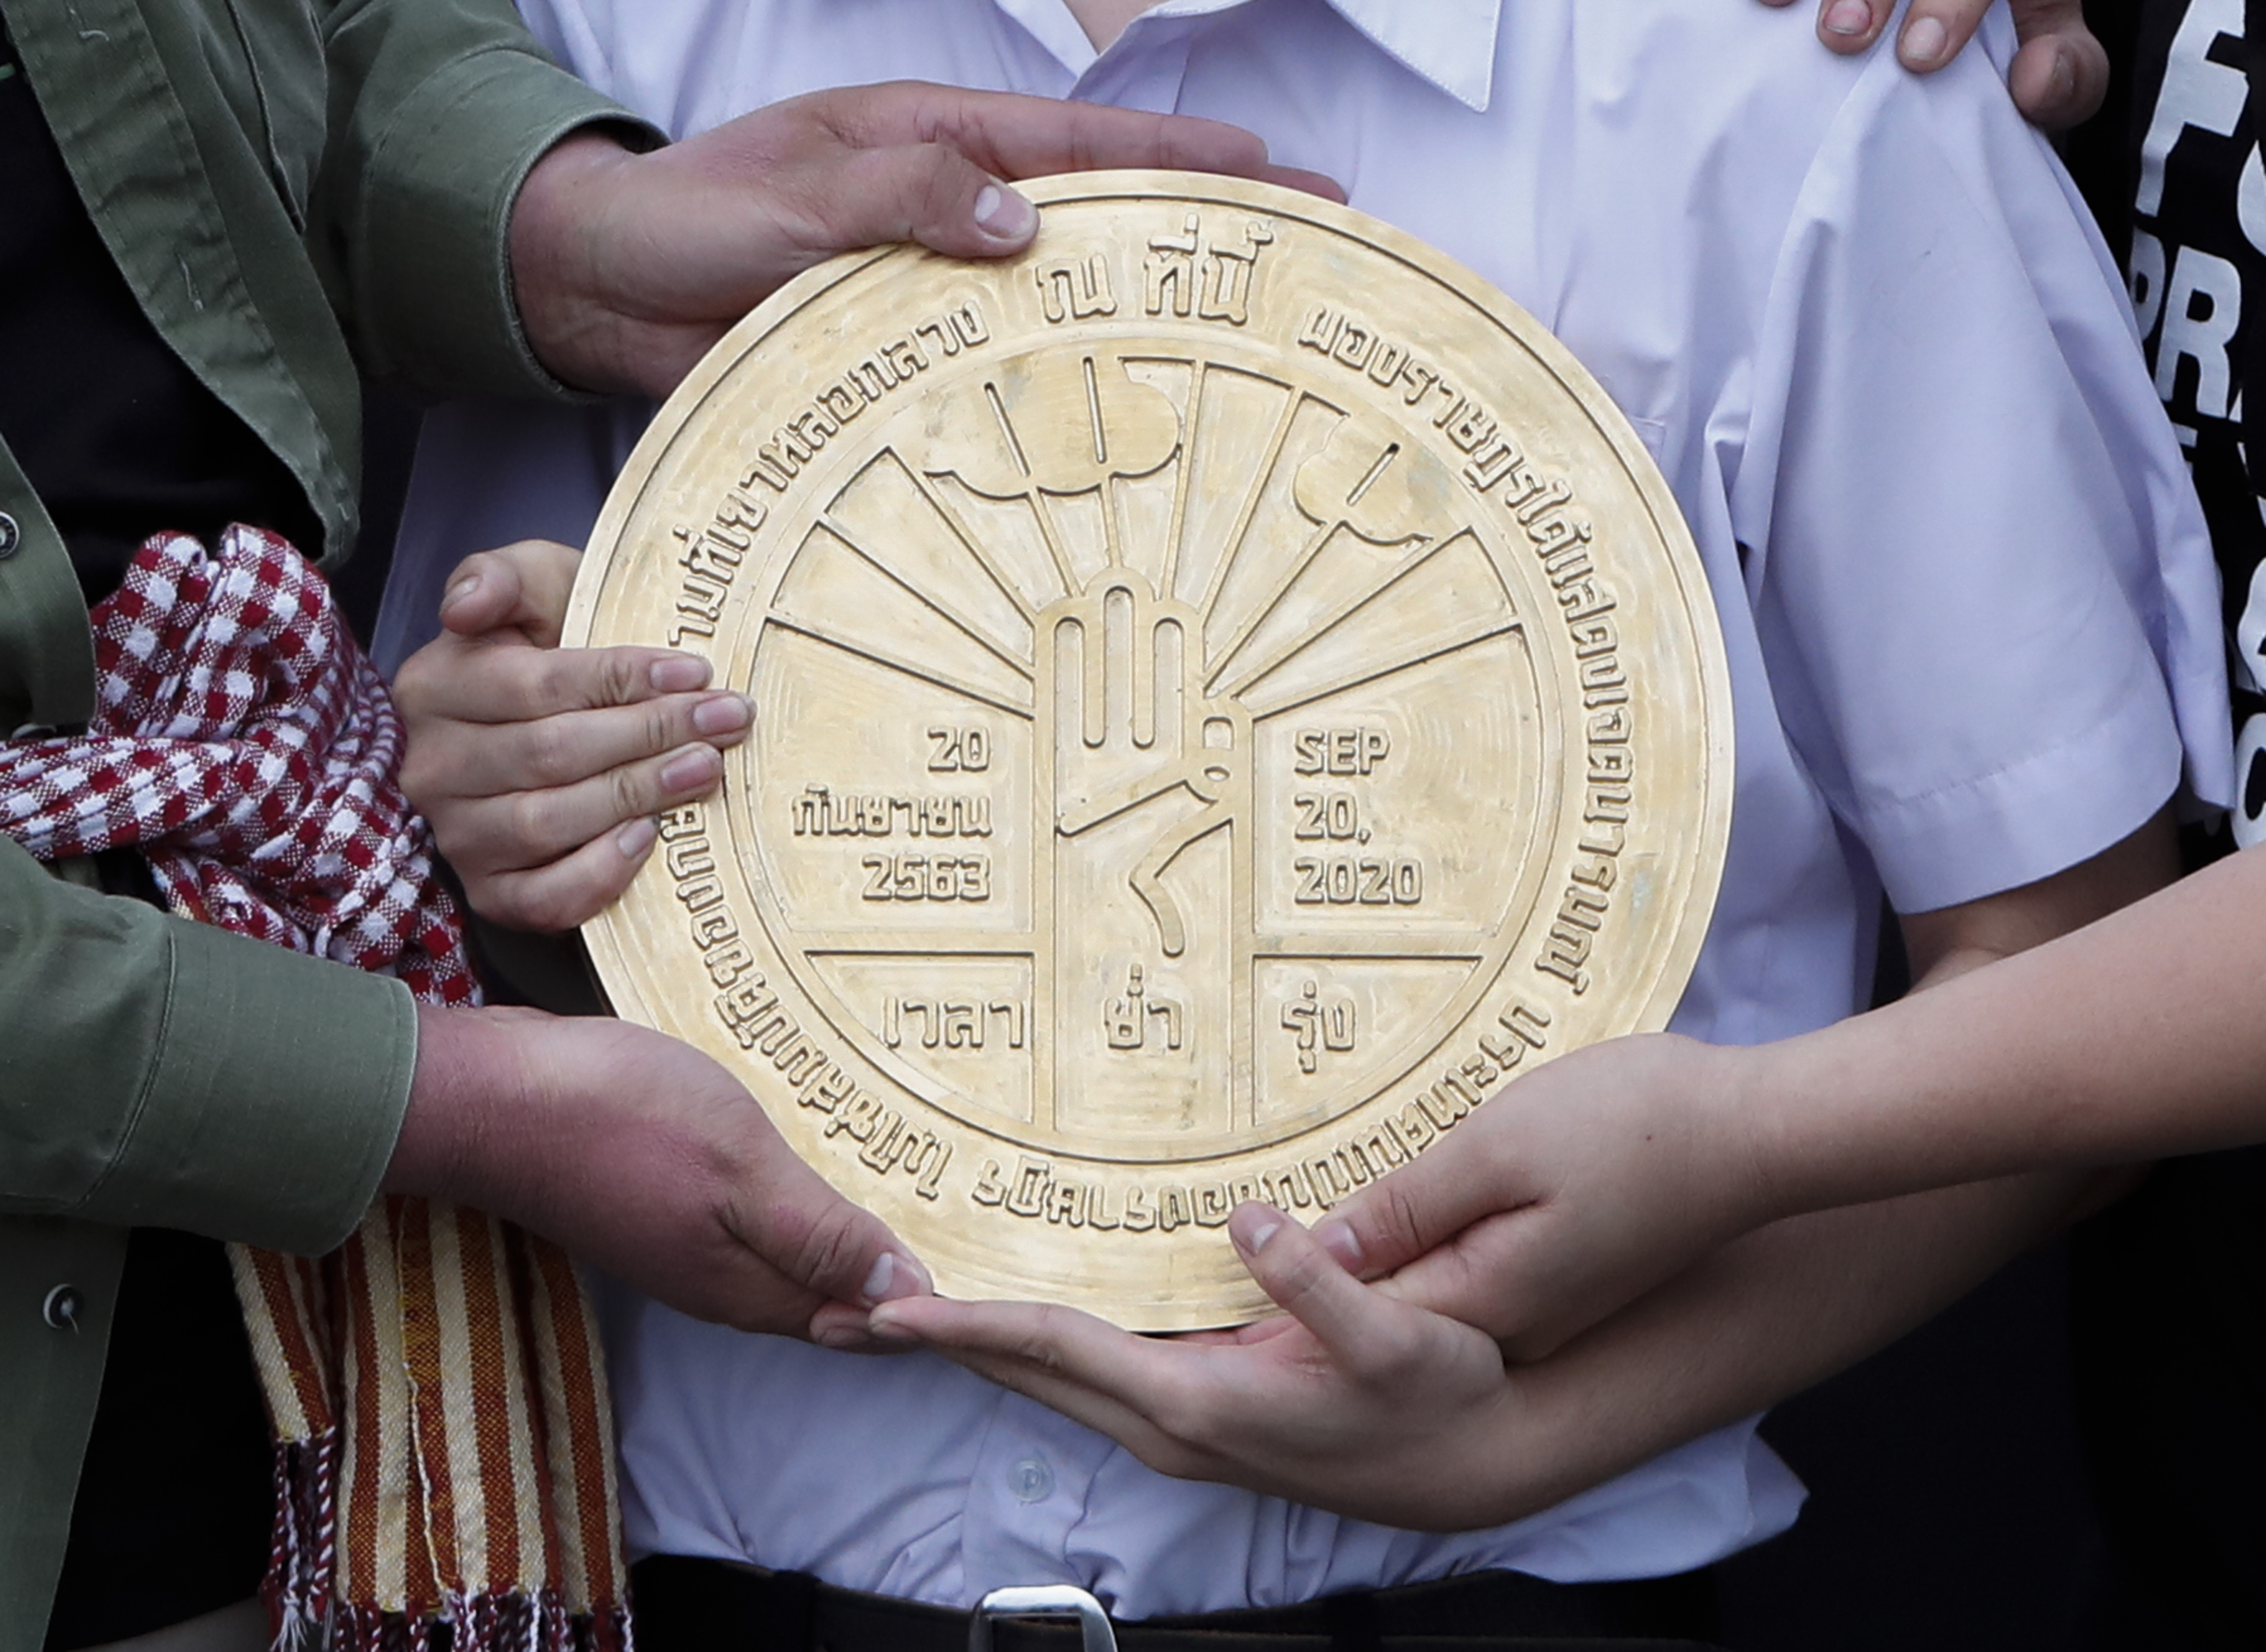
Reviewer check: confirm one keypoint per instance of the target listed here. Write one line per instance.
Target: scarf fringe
(302, 1553)
(521, 1622)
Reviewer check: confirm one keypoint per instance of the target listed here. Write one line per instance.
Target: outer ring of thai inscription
(1229, 690)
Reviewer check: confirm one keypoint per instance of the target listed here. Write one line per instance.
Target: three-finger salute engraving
(1204, 740)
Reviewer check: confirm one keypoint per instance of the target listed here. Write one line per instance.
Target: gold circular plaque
(1229, 690)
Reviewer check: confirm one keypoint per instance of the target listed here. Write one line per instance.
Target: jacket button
(60, 1309)
(10, 536)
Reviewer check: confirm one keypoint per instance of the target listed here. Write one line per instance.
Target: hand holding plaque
(1208, 734)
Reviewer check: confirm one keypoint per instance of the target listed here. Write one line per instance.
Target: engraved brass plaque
(1229, 690)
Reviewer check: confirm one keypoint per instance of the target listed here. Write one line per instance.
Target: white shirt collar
(1449, 43)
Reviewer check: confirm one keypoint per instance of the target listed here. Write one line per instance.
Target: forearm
(1762, 1318)
(2134, 1038)
(439, 110)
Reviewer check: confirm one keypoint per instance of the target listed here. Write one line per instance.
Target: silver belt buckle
(1043, 1600)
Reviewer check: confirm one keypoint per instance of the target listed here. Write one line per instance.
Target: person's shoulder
(1717, 108)
(1706, 69)
(1706, 55)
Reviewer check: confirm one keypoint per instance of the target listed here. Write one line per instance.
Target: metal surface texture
(1230, 690)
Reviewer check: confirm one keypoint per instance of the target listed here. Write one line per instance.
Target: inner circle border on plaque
(953, 527)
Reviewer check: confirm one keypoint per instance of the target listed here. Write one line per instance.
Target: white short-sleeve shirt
(1970, 606)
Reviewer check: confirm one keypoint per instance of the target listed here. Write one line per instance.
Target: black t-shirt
(2173, 169)
(175, 1498)
(2169, 1293)
(118, 437)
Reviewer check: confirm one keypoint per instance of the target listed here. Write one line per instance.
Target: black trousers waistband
(698, 1606)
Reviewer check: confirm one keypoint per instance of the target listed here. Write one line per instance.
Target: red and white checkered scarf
(444, 1444)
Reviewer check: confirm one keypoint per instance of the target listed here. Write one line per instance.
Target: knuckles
(419, 784)
(664, 725)
(940, 186)
(551, 752)
(615, 676)
(822, 1244)
(630, 795)
(1041, 1342)
(1392, 1227)
(413, 688)
(529, 821)
(1291, 1279)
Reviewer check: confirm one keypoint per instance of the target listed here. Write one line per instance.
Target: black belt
(699, 1605)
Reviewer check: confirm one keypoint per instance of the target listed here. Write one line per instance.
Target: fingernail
(1338, 1237)
(893, 1277)
(1922, 43)
(635, 838)
(882, 1328)
(1001, 212)
(1848, 17)
(846, 1339)
(691, 770)
(1251, 1226)
(679, 673)
(460, 590)
(721, 715)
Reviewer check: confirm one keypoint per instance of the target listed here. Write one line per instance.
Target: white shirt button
(1030, 1478)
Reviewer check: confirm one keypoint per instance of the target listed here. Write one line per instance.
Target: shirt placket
(1035, 1471)
(1033, 1481)
(1143, 66)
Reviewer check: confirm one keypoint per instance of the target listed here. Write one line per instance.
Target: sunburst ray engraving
(1225, 692)
(1148, 709)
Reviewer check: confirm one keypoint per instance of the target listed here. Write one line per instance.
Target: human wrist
(557, 280)
(466, 1066)
(1563, 1427)
(1750, 1102)
(1828, 1117)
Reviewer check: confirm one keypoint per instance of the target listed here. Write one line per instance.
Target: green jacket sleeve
(157, 1071)
(253, 166)
(438, 109)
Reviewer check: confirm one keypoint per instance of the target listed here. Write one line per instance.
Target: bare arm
(1393, 1402)
(1368, 1406)
(641, 1154)
(2134, 1038)
(2131, 1038)
(1610, 1169)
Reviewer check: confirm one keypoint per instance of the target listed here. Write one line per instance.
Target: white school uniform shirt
(1969, 608)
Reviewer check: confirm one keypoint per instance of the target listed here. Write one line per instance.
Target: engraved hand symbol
(1133, 725)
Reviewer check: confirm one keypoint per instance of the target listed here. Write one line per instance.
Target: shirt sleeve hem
(2031, 818)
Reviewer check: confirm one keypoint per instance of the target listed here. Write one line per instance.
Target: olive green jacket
(288, 185)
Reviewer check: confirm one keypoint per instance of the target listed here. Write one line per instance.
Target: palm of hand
(1353, 1400)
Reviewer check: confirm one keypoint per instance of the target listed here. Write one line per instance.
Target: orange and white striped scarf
(443, 1435)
